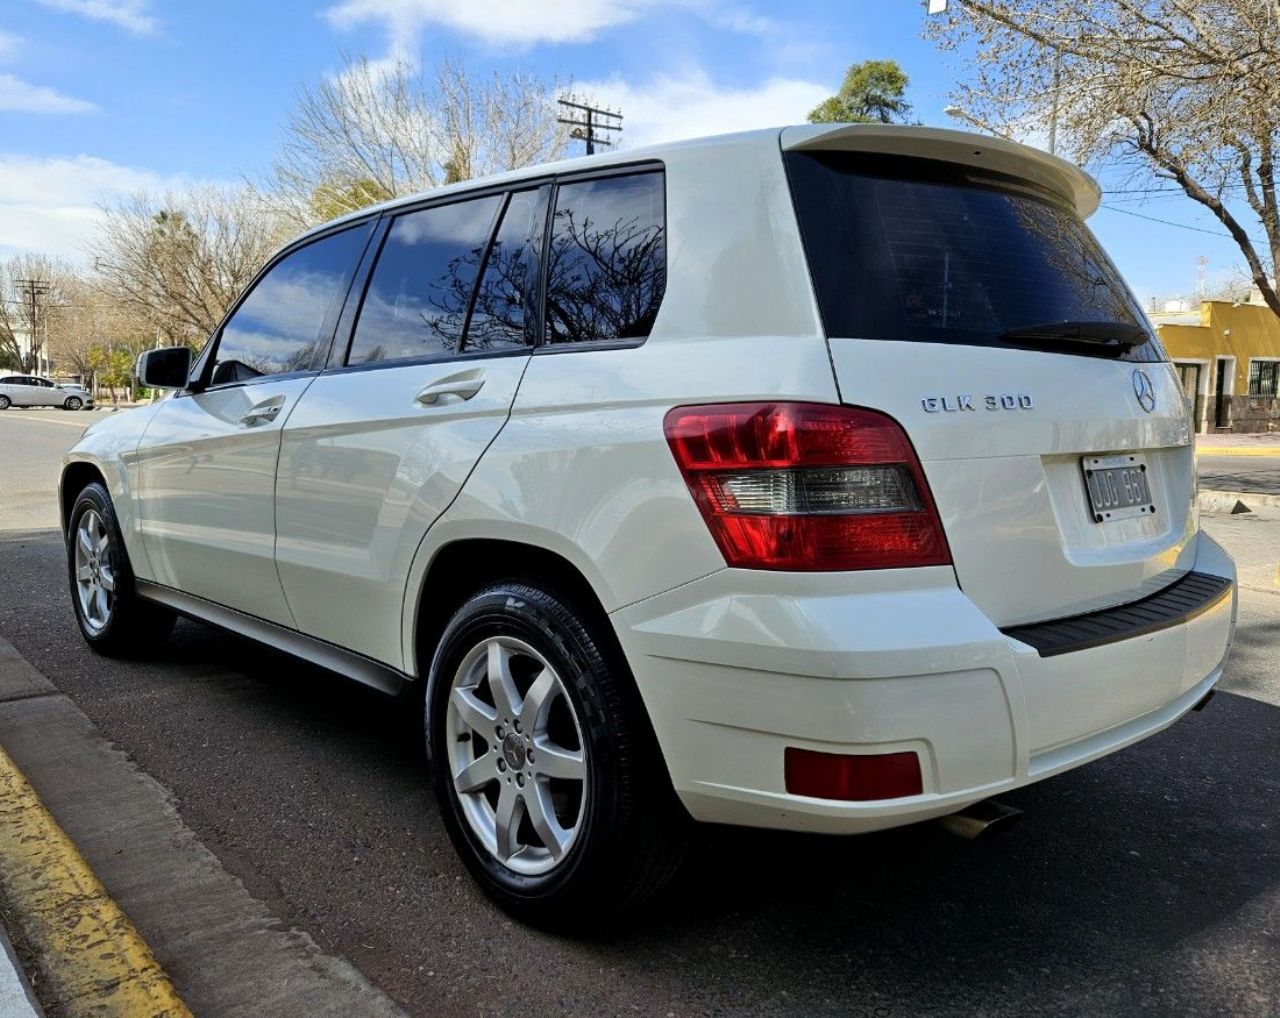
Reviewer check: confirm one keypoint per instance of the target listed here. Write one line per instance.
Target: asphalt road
(1241, 473)
(1148, 881)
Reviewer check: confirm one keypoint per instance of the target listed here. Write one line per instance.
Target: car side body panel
(110, 444)
(205, 492)
(365, 469)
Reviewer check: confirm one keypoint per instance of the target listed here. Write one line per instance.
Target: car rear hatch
(963, 295)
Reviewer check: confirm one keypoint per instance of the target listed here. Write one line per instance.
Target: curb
(1226, 501)
(91, 958)
(1238, 450)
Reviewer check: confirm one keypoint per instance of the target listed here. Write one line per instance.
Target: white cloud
(8, 45)
(670, 109)
(20, 96)
(524, 22)
(50, 205)
(131, 15)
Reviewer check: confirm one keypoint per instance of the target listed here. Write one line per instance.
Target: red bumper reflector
(852, 778)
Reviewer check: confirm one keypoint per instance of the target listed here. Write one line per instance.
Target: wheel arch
(490, 560)
(485, 560)
(76, 476)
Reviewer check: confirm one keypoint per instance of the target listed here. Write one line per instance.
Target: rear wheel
(113, 619)
(73, 403)
(5, 402)
(550, 782)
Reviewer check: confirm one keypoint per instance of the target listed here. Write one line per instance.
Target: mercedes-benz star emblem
(1144, 390)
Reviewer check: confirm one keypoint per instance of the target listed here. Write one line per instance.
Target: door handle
(262, 413)
(463, 388)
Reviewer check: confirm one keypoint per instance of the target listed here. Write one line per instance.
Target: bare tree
(380, 130)
(179, 261)
(1183, 91)
(89, 325)
(19, 315)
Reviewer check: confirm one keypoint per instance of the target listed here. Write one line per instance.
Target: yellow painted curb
(1237, 450)
(92, 959)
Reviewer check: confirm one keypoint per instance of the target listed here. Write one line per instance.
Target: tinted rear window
(911, 249)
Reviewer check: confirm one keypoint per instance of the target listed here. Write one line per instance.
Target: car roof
(966, 148)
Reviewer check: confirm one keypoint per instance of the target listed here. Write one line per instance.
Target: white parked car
(826, 478)
(32, 390)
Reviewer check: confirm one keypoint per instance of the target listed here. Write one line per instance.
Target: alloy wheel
(95, 577)
(516, 755)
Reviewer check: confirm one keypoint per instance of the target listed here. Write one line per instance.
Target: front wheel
(549, 780)
(113, 619)
(73, 403)
(5, 402)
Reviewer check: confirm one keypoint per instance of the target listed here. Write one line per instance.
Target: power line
(1180, 226)
(1166, 190)
(594, 120)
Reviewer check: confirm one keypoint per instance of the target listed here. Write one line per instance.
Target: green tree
(113, 370)
(872, 93)
(337, 198)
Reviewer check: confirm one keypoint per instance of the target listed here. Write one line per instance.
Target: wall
(1242, 331)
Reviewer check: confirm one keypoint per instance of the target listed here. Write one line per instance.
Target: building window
(1262, 377)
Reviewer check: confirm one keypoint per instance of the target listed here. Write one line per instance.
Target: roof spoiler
(996, 154)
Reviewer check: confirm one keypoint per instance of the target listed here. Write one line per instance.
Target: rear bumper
(733, 672)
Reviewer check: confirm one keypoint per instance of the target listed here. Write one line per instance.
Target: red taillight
(852, 778)
(806, 486)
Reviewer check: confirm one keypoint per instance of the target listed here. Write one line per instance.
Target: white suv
(826, 478)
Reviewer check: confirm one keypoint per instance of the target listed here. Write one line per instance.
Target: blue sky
(99, 98)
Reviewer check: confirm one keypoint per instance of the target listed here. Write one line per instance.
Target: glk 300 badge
(966, 401)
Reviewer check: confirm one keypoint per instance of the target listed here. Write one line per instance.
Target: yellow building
(1228, 356)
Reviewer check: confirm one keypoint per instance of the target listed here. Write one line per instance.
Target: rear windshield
(911, 249)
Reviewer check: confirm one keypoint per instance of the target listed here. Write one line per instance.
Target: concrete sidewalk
(119, 902)
(17, 1000)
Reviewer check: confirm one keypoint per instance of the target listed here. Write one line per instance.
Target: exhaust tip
(979, 819)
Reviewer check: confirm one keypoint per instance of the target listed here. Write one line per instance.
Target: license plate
(1118, 487)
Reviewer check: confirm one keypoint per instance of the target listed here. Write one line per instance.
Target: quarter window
(607, 270)
(417, 300)
(1263, 376)
(284, 323)
(505, 314)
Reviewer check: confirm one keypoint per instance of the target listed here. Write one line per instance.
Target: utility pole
(593, 120)
(32, 290)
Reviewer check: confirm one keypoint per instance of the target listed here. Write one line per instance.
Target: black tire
(133, 626)
(5, 402)
(73, 403)
(633, 832)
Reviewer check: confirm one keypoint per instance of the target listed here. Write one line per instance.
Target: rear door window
(608, 259)
(417, 300)
(915, 250)
(505, 313)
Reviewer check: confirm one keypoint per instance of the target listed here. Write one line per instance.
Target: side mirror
(168, 368)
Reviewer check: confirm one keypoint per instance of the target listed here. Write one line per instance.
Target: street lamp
(940, 7)
(960, 113)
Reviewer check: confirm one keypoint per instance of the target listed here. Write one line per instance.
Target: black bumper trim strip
(1179, 602)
